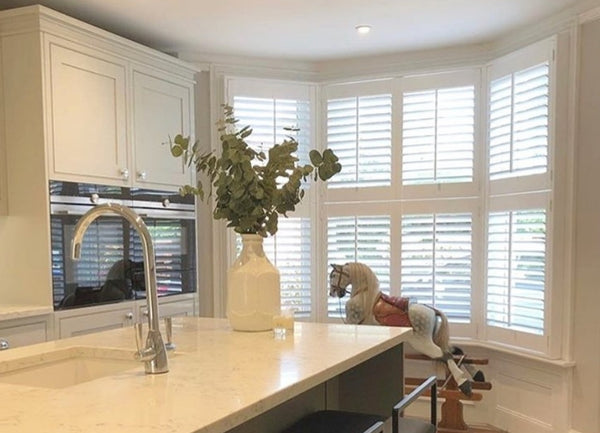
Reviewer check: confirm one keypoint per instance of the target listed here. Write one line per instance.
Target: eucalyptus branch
(251, 189)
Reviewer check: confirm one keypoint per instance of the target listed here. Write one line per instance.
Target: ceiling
(309, 30)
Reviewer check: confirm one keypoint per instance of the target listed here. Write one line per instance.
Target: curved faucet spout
(154, 342)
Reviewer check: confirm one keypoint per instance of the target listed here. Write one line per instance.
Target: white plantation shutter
(438, 135)
(365, 239)
(269, 109)
(517, 270)
(359, 131)
(269, 118)
(290, 251)
(518, 123)
(437, 262)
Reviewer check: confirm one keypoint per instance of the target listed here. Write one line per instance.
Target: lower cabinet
(101, 318)
(93, 319)
(22, 332)
(170, 308)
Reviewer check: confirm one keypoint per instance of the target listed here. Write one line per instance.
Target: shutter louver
(516, 270)
(290, 252)
(437, 261)
(290, 249)
(269, 119)
(359, 131)
(438, 135)
(518, 124)
(364, 239)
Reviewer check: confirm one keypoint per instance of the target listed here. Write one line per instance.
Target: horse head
(338, 281)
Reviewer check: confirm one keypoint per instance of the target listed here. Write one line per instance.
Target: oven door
(111, 266)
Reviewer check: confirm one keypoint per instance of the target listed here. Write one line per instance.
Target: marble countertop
(9, 312)
(218, 378)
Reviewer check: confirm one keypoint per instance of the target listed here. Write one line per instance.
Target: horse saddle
(391, 310)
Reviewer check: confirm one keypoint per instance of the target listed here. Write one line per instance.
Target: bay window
(446, 191)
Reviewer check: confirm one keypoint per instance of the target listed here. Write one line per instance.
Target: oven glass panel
(111, 268)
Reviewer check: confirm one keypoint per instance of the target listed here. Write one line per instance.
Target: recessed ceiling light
(363, 29)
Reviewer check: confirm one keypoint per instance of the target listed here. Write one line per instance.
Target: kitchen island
(219, 380)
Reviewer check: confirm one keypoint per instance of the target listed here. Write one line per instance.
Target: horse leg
(423, 320)
(476, 374)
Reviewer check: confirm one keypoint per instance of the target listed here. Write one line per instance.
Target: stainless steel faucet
(154, 354)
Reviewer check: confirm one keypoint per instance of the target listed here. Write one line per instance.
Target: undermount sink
(67, 367)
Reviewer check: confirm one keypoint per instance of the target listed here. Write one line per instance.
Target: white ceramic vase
(253, 295)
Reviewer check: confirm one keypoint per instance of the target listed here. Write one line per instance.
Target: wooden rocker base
(472, 429)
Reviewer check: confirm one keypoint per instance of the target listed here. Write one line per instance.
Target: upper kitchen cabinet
(109, 104)
(87, 114)
(162, 107)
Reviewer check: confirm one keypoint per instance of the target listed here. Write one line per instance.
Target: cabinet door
(170, 308)
(87, 112)
(89, 320)
(162, 108)
(22, 332)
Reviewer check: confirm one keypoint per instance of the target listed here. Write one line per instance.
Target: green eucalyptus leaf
(252, 188)
(315, 157)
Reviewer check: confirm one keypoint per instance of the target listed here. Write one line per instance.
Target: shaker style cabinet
(25, 331)
(110, 119)
(93, 319)
(87, 114)
(161, 109)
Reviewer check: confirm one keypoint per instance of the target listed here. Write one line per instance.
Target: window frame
(326, 202)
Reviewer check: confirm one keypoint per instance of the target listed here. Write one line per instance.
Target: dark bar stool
(335, 421)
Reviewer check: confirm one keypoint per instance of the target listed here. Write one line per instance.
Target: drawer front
(90, 322)
(22, 334)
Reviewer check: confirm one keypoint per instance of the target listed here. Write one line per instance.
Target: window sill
(516, 352)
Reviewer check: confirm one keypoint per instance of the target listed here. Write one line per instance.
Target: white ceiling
(309, 30)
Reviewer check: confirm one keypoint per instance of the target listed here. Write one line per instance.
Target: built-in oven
(111, 267)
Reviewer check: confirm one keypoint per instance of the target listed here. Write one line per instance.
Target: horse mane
(365, 288)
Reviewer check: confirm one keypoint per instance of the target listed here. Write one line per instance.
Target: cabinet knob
(141, 175)
(4, 344)
(125, 173)
(145, 313)
(94, 198)
(166, 202)
(129, 316)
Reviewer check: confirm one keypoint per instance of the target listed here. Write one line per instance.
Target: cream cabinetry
(22, 332)
(110, 119)
(161, 108)
(77, 104)
(86, 114)
(172, 307)
(93, 319)
(88, 320)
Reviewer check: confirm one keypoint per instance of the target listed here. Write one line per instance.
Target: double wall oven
(111, 267)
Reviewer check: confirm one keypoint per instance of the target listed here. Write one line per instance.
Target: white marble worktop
(9, 312)
(218, 378)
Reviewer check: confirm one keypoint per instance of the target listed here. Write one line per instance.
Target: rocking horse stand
(452, 420)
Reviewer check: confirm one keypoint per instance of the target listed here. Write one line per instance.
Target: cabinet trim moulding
(42, 19)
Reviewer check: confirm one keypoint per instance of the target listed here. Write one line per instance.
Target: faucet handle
(169, 331)
(143, 353)
(139, 338)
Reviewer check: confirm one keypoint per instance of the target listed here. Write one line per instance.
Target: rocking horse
(367, 305)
